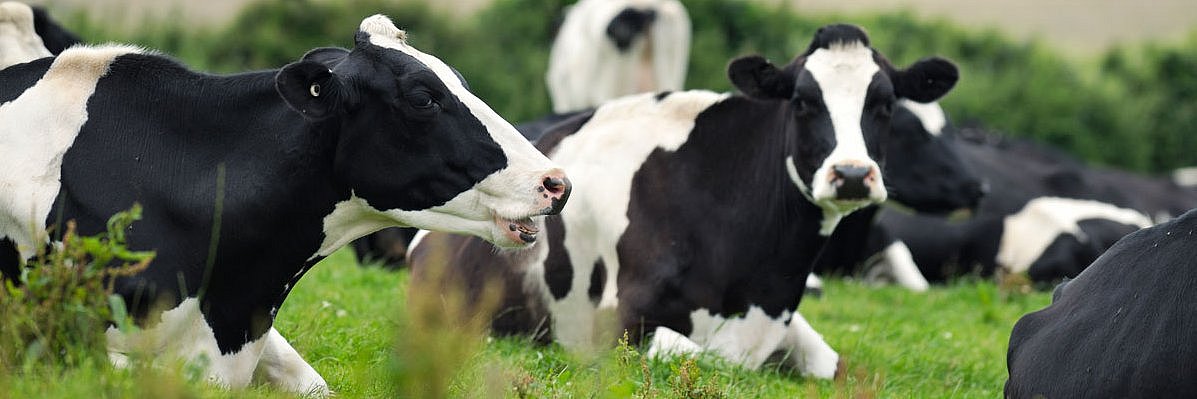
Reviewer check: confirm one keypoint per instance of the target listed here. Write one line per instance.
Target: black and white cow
(248, 180)
(926, 175)
(697, 216)
(1126, 327)
(19, 41)
(611, 48)
(56, 37)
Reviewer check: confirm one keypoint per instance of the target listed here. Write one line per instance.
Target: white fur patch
(602, 158)
(586, 69)
(844, 72)
(809, 353)
(1029, 232)
(36, 129)
(19, 42)
(184, 335)
(282, 367)
(930, 114)
(897, 263)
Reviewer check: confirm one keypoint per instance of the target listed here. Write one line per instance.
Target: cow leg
(184, 335)
(898, 263)
(814, 285)
(282, 367)
(809, 354)
(667, 342)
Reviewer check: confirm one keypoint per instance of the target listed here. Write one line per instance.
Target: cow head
(841, 95)
(923, 169)
(416, 146)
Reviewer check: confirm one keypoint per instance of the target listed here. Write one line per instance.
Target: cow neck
(764, 220)
(229, 137)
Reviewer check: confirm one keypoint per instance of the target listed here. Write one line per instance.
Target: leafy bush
(56, 312)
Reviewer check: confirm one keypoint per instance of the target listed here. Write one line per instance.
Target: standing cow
(607, 49)
(697, 215)
(277, 169)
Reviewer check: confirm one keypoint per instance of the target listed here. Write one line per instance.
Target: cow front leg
(282, 367)
(898, 263)
(667, 342)
(809, 354)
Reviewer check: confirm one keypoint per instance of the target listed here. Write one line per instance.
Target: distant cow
(1124, 328)
(19, 41)
(697, 216)
(611, 48)
(248, 180)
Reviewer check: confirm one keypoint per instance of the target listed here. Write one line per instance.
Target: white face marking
(586, 69)
(931, 115)
(184, 335)
(896, 263)
(844, 72)
(602, 158)
(19, 41)
(38, 127)
(1029, 232)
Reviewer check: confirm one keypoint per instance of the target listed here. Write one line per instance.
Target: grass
(345, 320)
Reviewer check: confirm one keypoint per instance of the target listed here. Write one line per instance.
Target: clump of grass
(55, 312)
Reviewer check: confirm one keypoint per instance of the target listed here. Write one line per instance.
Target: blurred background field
(1112, 82)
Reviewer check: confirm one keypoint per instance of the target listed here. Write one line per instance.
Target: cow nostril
(851, 172)
(555, 185)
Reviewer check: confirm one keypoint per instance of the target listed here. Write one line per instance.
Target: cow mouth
(522, 230)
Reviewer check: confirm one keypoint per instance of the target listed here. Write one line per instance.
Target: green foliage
(56, 312)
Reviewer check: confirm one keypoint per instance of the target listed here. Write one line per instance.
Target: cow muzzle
(855, 181)
(552, 193)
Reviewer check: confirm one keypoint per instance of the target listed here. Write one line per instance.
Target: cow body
(698, 215)
(611, 48)
(248, 180)
(1122, 329)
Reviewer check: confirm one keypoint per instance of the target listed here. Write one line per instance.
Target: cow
(697, 215)
(248, 180)
(928, 176)
(603, 49)
(56, 37)
(19, 41)
(611, 48)
(1123, 328)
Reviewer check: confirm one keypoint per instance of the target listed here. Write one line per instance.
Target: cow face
(923, 169)
(416, 146)
(841, 95)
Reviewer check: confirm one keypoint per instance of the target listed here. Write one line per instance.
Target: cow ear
(329, 56)
(927, 80)
(309, 87)
(756, 77)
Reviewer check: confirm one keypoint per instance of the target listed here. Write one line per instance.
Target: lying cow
(698, 215)
(19, 41)
(1124, 328)
(611, 48)
(276, 169)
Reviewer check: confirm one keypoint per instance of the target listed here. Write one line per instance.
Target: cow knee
(667, 342)
(809, 353)
(282, 367)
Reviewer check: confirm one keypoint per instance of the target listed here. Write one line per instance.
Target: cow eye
(885, 108)
(420, 100)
